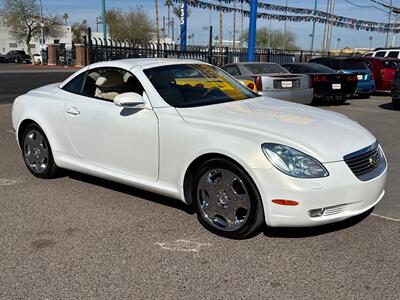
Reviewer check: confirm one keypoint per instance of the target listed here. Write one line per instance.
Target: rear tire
(364, 96)
(37, 153)
(226, 200)
(396, 104)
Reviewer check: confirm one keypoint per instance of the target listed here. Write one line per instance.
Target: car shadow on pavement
(315, 231)
(388, 106)
(132, 191)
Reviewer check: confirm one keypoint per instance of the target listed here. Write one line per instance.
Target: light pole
(284, 27)
(370, 42)
(313, 27)
(390, 17)
(41, 30)
(104, 22)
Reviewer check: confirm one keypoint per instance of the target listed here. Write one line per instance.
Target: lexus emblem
(374, 160)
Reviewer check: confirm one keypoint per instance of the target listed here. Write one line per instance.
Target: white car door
(111, 137)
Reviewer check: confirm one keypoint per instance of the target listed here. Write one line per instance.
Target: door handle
(72, 111)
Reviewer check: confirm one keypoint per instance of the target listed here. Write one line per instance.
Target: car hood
(327, 136)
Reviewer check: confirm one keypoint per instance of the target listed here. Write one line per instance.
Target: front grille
(365, 160)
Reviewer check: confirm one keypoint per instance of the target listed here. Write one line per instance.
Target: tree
(272, 39)
(177, 11)
(132, 25)
(79, 30)
(22, 18)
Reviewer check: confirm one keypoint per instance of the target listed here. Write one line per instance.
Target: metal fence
(98, 50)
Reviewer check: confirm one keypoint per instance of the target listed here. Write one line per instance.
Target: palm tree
(157, 24)
(177, 12)
(65, 17)
(169, 3)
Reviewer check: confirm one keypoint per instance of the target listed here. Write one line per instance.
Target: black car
(351, 65)
(18, 56)
(329, 86)
(3, 58)
(396, 90)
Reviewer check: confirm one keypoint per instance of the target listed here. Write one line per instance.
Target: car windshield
(391, 64)
(348, 64)
(265, 68)
(191, 85)
(309, 69)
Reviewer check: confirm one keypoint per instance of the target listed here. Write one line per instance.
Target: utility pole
(328, 26)
(104, 14)
(220, 24)
(390, 18)
(313, 27)
(284, 27)
(234, 24)
(41, 31)
(241, 22)
(157, 24)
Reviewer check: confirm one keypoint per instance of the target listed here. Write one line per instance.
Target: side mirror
(129, 100)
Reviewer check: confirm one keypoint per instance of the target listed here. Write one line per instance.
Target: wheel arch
(21, 128)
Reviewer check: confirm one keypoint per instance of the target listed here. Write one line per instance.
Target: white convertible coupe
(188, 130)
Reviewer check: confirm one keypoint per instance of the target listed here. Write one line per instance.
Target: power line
(365, 6)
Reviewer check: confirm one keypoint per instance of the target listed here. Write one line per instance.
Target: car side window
(393, 54)
(232, 70)
(107, 83)
(380, 54)
(75, 85)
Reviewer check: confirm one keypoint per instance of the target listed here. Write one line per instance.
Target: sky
(79, 10)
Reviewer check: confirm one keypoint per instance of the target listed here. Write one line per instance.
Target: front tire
(37, 153)
(226, 200)
(364, 96)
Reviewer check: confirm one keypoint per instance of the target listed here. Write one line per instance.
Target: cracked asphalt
(79, 237)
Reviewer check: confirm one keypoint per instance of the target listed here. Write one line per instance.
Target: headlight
(293, 162)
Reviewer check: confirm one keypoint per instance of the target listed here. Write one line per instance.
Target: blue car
(357, 66)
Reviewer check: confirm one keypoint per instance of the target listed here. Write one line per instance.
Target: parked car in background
(356, 66)
(37, 58)
(18, 56)
(383, 70)
(384, 52)
(272, 80)
(396, 90)
(3, 58)
(329, 86)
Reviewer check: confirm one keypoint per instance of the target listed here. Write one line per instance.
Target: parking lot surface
(79, 237)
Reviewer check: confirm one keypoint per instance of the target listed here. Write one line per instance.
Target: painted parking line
(386, 218)
(182, 245)
(7, 181)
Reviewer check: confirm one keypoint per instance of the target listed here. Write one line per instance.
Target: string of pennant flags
(302, 15)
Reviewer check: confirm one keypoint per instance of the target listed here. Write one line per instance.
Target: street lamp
(41, 30)
(338, 43)
(370, 42)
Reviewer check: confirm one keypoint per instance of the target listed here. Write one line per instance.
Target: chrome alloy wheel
(36, 151)
(223, 199)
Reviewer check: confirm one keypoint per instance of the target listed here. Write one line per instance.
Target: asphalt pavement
(79, 237)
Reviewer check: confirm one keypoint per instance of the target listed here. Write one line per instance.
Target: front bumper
(341, 194)
(302, 96)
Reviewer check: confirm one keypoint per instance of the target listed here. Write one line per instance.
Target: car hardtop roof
(143, 62)
(382, 58)
(339, 58)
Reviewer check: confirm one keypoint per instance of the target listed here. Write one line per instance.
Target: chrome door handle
(72, 111)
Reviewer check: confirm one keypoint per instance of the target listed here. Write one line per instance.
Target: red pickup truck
(383, 70)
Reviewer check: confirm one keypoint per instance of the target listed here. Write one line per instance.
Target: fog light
(316, 212)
